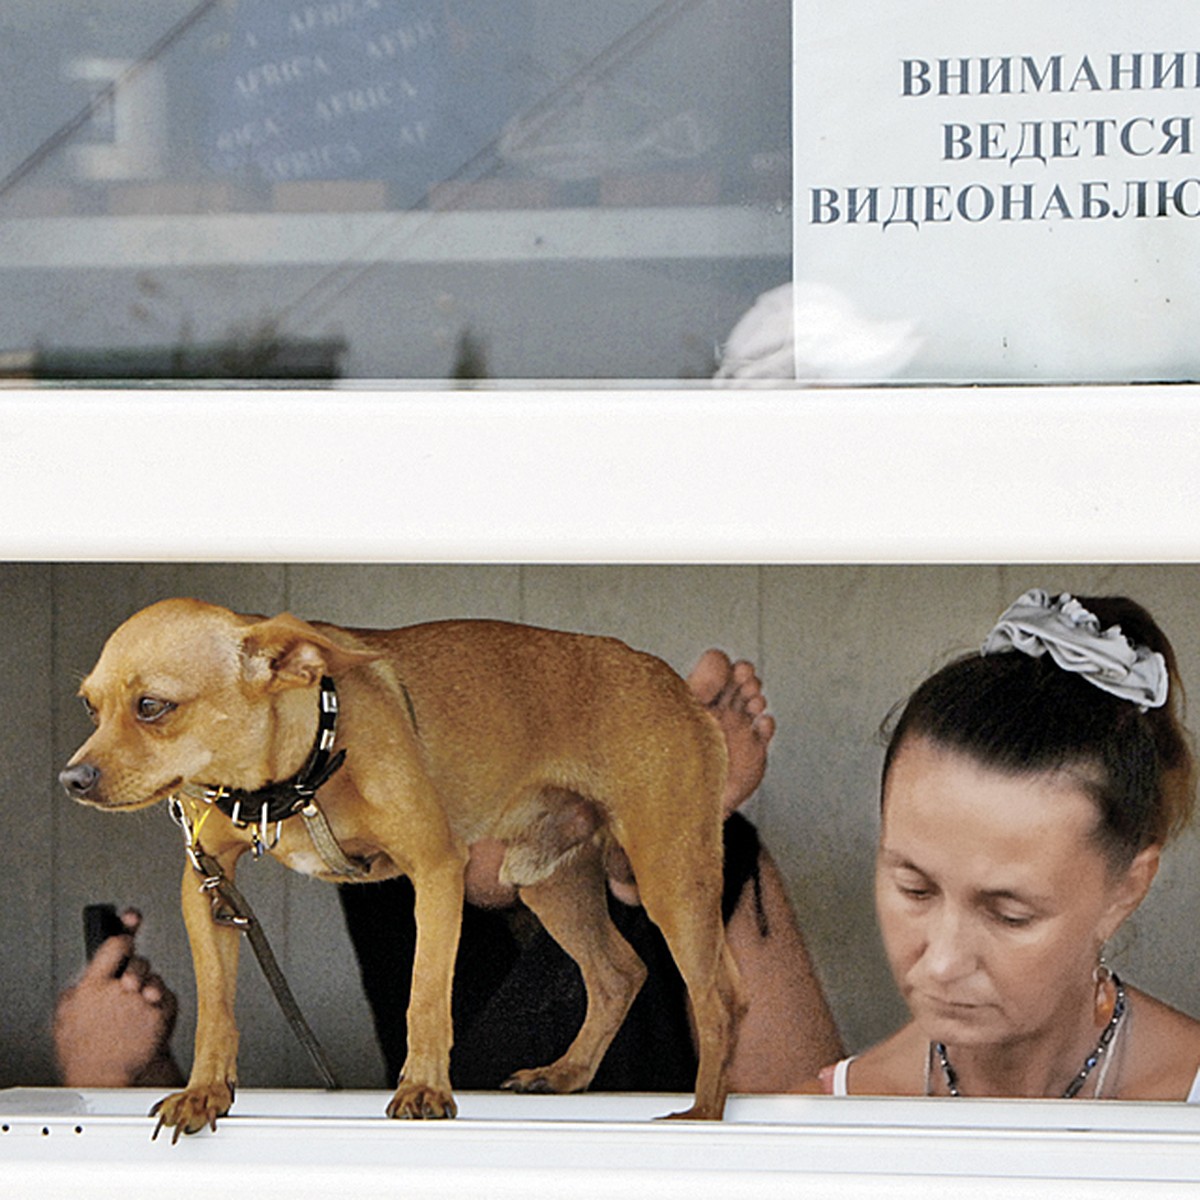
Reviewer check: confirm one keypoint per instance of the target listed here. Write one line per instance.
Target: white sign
(997, 192)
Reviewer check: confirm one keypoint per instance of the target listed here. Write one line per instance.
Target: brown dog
(562, 746)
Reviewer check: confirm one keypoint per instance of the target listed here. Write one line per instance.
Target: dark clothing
(518, 999)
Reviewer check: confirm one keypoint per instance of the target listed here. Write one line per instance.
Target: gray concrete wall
(838, 646)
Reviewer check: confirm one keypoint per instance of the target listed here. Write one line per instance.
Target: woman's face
(993, 897)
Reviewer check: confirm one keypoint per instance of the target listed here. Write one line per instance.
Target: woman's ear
(1130, 888)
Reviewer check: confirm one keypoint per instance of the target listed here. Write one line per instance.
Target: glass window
(389, 189)
(525, 191)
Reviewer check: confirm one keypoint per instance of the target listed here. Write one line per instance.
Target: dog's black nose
(80, 780)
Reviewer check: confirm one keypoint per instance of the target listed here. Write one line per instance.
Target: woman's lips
(948, 1004)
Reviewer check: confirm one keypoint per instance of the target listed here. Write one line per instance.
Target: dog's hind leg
(679, 874)
(572, 906)
(696, 937)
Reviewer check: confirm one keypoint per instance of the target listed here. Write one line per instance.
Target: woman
(1027, 794)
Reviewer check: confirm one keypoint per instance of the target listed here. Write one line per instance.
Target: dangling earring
(1106, 992)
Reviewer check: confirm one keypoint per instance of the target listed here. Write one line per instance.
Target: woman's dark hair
(1023, 715)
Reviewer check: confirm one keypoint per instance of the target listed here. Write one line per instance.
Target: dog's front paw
(192, 1110)
(558, 1078)
(417, 1101)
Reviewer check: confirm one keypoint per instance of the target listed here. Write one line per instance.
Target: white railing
(301, 1144)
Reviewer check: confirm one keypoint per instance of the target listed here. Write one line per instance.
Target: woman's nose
(949, 945)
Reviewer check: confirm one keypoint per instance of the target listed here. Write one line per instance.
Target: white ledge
(94, 1143)
(900, 475)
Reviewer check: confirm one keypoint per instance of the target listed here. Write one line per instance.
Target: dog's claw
(554, 1080)
(537, 1085)
(192, 1110)
(414, 1102)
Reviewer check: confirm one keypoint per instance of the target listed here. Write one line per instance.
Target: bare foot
(732, 692)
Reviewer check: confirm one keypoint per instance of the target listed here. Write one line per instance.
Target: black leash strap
(230, 907)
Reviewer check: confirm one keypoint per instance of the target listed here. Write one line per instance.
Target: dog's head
(187, 692)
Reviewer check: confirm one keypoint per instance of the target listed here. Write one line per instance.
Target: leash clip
(222, 916)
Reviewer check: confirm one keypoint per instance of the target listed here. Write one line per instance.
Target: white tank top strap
(840, 1072)
(1194, 1094)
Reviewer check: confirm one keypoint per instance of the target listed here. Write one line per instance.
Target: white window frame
(998, 474)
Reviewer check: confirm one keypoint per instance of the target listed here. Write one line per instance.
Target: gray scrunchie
(1036, 624)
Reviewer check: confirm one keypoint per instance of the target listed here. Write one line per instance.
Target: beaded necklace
(1089, 1063)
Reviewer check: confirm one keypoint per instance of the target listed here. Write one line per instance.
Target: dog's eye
(152, 708)
(90, 709)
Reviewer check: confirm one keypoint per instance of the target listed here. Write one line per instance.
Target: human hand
(113, 1030)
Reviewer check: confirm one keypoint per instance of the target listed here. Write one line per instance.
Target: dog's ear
(285, 652)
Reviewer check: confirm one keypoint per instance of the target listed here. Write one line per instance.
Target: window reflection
(390, 189)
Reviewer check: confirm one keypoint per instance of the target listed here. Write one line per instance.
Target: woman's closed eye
(914, 888)
(1011, 918)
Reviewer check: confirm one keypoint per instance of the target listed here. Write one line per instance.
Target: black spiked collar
(275, 802)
